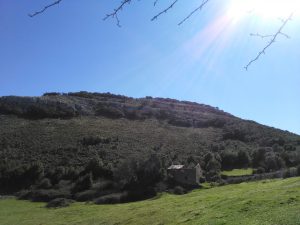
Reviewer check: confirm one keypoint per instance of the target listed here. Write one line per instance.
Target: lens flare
(266, 9)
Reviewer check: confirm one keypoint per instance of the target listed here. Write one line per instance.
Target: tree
(213, 169)
(123, 3)
(243, 158)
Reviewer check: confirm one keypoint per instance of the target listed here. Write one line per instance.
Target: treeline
(135, 178)
(130, 180)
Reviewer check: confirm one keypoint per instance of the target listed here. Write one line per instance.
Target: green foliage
(140, 173)
(260, 170)
(44, 184)
(59, 203)
(15, 178)
(83, 183)
(178, 190)
(213, 169)
(243, 158)
(112, 198)
(45, 195)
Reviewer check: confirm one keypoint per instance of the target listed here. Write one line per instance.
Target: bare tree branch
(204, 2)
(114, 14)
(44, 9)
(116, 11)
(164, 11)
(261, 35)
(272, 41)
(268, 35)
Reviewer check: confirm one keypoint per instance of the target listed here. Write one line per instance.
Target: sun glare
(264, 9)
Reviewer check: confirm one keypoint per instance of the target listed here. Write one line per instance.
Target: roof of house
(175, 167)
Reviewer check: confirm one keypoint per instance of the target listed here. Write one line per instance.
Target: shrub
(51, 94)
(112, 198)
(298, 170)
(71, 173)
(43, 195)
(44, 184)
(86, 195)
(178, 190)
(260, 170)
(243, 159)
(63, 184)
(97, 168)
(202, 179)
(103, 185)
(24, 194)
(258, 156)
(290, 172)
(83, 183)
(180, 122)
(59, 202)
(108, 111)
(229, 159)
(213, 169)
(86, 141)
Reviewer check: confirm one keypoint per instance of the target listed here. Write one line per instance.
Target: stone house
(186, 175)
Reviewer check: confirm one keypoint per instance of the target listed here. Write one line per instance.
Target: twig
(272, 41)
(44, 9)
(261, 36)
(204, 2)
(164, 11)
(114, 14)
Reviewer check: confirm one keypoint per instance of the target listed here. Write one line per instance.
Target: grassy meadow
(267, 202)
(238, 172)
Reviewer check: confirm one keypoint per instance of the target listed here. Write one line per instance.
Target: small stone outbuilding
(186, 175)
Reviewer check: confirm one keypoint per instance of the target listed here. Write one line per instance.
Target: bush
(298, 170)
(43, 195)
(229, 159)
(63, 184)
(44, 184)
(98, 169)
(59, 202)
(23, 195)
(83, 183)
(178, 190)
(202, 180)
(51, 94)
(259, 170)
(103, 185)
(86, 195)
(112, 198)
(108, 111)
(290, 172)
(20, 177)
(86, 141)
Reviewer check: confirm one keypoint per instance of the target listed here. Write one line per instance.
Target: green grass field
(238, 172)
(271, 202)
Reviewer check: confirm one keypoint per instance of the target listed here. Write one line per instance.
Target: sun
(264, 9)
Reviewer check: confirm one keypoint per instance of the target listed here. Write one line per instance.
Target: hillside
(255, 203)
(124, 140)
(51, 128)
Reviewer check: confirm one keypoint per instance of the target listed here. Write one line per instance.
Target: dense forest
(112, 148)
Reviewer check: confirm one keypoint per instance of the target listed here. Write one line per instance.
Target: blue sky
(69, 48)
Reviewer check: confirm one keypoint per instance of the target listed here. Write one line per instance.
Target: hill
(265, 202)
(113, 137)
